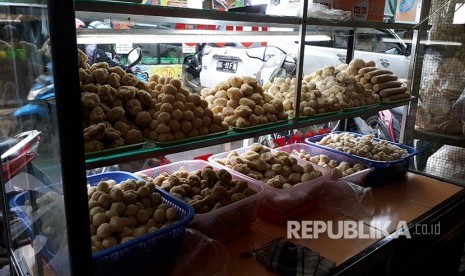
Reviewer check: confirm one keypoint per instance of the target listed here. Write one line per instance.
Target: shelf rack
(445, 139)
(143, 153)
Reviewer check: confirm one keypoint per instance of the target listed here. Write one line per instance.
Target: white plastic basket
(282, 200)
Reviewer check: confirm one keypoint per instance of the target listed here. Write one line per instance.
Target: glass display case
(35, 213)
(67, 73)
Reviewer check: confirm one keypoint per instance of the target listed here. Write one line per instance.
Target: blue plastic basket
(385, 171)
(142, 253)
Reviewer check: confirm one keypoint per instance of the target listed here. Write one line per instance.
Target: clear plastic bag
(201, 255)
(347, 198)
(316, 10)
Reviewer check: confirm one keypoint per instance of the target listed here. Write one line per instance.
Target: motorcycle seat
(7, 143)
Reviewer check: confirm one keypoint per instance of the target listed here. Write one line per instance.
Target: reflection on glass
(31, 176)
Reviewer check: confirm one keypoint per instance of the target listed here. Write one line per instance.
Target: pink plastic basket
(282, 201)
(357, 178)
(223, 223)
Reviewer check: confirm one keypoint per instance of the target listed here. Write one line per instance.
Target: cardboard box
(362, 10)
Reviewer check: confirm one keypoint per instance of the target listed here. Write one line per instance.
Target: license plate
(226, 66)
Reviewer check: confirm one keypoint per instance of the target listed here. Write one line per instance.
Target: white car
(385, 48)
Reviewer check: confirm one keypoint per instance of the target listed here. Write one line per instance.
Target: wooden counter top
(405, 200)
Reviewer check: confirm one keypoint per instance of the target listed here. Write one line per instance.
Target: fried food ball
(221, 94)
(166, 98)
(199, 112)
(133, 107)
(144, 97)
(122, 127)
(217, 119)
(90, 87)
(269, 108)
(177, 115)
(179, 105)
(217, 109)
(194, 133)
(271, 118)
(176, 83)
(180, 97)
(143, 86)
(163, 117)
(100, 75)
(247, 102)
(197, 123)
(242, 111)
(97, 65)
(97, 116)
(206, 121)
(93, 145)
(278, 105)
(188, 115)
(163, 128)
(186, 126)
(116, 114)
(143, 119)
(230, 120)
(227, 111)
(117, 102)
(189, 106)
(167, 107)
(250, 81)
(85, 76)
(203, 131)
(235, 82)
(90, 100)
(234, 93)
(242, 122)
(129, 80)
(110, 134)
(195, 99)
(117, 70)
(126, 93)
(253, 120)
(232, 103)
(246, 89)
(214, 128)
(114, 80)
(94, 131)
(107, 94)
(165, 137)
(82, 59)
(178, 135)
(154, 78)
(133, 136)
(220, 102)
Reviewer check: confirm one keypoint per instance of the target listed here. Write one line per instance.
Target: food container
(385, 171)
(224, 223)
(282, 201)
(357, 178)
(135, 256)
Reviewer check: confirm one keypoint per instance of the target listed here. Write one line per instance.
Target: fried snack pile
(122, 212)
(364, 146)
(205, 190)
(275, 168)
(242, 103)
(338, 169)
(119, 110)
(339, 88)
(312, 100)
